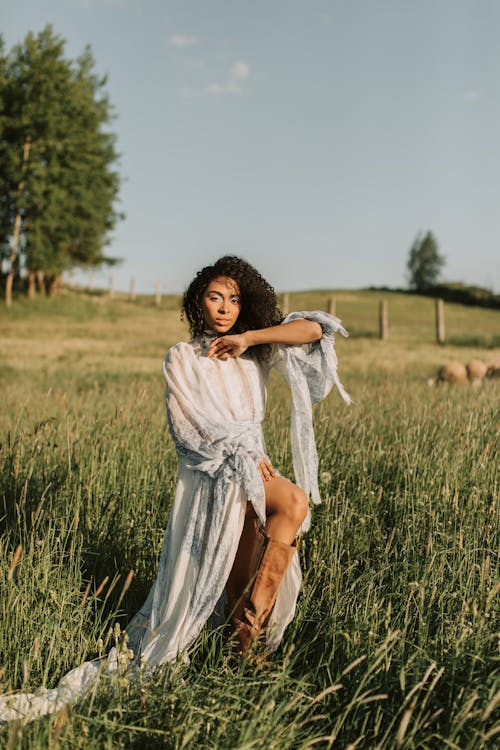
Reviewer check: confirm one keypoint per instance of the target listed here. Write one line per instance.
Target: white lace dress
(215, 411)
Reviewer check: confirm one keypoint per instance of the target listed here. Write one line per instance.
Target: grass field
(396, 640)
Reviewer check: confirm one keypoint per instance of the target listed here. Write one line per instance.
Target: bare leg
(286, 509)
(241, 573)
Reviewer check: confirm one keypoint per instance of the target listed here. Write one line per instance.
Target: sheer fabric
(215, 411)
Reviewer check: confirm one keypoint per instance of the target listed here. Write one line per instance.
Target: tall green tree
(59, 183)
(424, 262)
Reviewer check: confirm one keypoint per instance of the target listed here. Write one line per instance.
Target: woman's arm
(301, 331)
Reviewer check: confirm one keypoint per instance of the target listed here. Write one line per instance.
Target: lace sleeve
(311, 371)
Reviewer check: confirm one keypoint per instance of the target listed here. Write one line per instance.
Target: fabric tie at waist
(234, 458)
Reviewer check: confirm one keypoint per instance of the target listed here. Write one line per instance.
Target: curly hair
(259, 305)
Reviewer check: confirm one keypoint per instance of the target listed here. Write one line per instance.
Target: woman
(231, 535)
(235, 520)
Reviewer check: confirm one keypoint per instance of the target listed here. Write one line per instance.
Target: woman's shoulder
(182, 350)
(180, 347)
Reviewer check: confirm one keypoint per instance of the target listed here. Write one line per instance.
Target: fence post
(158, 294)
(91, 282)
(285, 303)
(383, 320)
(440, 335)
(112, 286)
(132, 290)
(330, 305)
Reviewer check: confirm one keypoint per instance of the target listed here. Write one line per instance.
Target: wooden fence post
(440, 335)
(111, 286)
(285, 303)
(330, 305)
(383, 320)
(158, 294)
(132, 290)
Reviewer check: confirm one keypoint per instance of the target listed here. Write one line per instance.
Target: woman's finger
(266, 470)
(269, 467)
(219, 344)
(219, 350)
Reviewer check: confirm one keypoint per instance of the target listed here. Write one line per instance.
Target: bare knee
(298, 505)
(286, 500)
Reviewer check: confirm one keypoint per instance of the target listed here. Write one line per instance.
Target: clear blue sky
(313, 137)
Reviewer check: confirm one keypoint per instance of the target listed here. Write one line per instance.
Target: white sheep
(476, 371)
(452, 372)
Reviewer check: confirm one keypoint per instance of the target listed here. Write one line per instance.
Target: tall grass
(396, 640)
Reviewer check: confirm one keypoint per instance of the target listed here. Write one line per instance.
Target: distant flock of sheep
(474, 372)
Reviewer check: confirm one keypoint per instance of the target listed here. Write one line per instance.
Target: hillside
(100, 336)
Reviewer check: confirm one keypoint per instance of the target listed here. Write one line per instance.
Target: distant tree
(58, 184)
(424, 262)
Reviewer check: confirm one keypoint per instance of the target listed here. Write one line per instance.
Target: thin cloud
(215, 89)
(193, 64)
(232, 86)
(239, 71)
(180, 41)
(471, 96)
(187, 92)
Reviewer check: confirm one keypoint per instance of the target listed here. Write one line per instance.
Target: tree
(424, 262)
(58, 186)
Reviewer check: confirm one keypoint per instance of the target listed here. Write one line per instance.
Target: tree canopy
(424, 262)
(58, 184)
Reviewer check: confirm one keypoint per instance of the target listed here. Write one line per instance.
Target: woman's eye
(235, 301)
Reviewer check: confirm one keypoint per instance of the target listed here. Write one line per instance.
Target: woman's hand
(224, 347)
(266, 470)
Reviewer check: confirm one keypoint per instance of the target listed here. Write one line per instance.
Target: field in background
(395, 642)
(121, 337)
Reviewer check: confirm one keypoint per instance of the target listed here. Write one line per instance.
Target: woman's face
(221, 304)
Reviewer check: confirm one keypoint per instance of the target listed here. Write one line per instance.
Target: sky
(314, 138)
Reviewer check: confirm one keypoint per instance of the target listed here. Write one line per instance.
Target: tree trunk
(31, 285)
(17, 225)
(54, 285)
(40, 277)
(13, 256)
(8, 288)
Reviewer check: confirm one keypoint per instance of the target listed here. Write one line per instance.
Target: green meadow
(395, 643)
